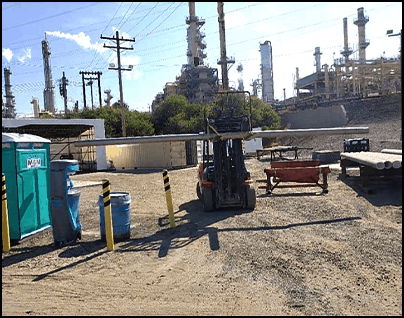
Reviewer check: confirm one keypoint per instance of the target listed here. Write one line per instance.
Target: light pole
(390, 33)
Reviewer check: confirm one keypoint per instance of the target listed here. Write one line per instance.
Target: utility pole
(91, 88)
(118, 52)
(84, 89)
(63, 90)
(91, 79)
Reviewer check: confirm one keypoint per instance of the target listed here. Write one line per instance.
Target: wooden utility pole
(119, 68)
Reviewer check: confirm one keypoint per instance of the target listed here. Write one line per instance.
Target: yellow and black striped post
(168, 197)
(4, 219)
(109, 231)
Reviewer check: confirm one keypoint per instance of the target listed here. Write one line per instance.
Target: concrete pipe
(392, 151)
(363, 159)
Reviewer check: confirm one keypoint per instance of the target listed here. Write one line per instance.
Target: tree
(175, 115)
(137, 124)
(263, 115)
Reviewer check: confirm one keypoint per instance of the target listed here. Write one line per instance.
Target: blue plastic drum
(120, 209)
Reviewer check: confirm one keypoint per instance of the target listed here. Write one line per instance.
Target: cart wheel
(207, 195)
(250, 196)
(325, 190)
(198, 191)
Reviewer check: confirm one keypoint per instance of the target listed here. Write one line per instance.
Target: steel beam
(223, 136)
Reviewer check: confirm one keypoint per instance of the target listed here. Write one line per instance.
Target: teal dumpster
(25, 163)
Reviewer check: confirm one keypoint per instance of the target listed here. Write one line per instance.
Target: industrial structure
(197, 82)
(8, 110)
(348, 77)
(267, 72)
(49, 91)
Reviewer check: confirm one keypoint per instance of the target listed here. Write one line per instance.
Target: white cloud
(27, 54)
(81, 39)
(8, 54)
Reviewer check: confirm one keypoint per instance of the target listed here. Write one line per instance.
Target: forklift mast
(227, 169)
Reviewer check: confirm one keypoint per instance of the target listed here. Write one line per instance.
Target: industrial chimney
(346, 52)
(49, 91)
(363, 43)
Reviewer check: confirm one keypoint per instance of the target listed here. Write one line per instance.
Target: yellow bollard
(109, 231)
(5, 225)
(168, 197)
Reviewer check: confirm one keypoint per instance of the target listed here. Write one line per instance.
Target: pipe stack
(375, 160)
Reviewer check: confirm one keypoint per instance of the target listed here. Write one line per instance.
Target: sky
(74, 29)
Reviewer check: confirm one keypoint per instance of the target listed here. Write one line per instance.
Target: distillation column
(49, 91)
(363, 44)
(10, 102)
(267, 72)
(191, 37)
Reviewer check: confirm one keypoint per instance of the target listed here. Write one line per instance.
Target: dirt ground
(299, 252)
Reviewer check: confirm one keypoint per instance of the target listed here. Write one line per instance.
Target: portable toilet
(25, 163)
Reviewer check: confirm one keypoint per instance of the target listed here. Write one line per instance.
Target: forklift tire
(207, 196)
(198, 191)
(250, 196)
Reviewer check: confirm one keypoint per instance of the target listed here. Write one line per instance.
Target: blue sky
(74, 29)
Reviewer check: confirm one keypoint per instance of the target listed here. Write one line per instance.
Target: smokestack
(223, 57)
(346, 52)
(363, 43)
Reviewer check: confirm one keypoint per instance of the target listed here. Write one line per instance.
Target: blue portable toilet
(25, 163)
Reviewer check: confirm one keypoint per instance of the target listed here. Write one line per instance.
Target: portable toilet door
(25, 163)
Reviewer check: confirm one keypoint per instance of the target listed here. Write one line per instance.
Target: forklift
(223, 180)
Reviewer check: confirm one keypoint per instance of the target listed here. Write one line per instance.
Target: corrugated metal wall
(148, 155)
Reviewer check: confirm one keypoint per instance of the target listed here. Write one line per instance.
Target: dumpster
(25, 163)
(120, 210)
(65, 202)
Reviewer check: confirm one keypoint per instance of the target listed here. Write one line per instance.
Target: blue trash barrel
(120, 209)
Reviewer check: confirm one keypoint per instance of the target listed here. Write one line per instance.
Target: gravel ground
(299, 252)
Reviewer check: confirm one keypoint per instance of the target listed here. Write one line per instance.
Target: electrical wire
(50, 17)
(239, 43)
(109, 57)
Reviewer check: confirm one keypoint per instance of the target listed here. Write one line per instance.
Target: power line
(13, 5)
(129, 31)
(131, 14)
(69, 30)
(95, 53)
(52, 16)
(161, 22)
